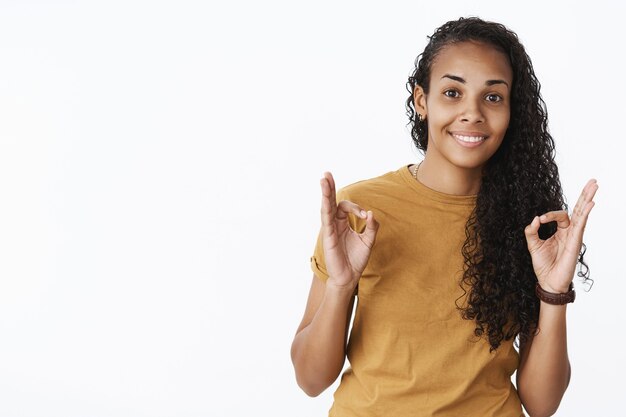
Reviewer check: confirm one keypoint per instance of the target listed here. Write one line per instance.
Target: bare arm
(544, 372)
(318, 350)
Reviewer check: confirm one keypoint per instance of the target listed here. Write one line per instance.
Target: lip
(467, 144)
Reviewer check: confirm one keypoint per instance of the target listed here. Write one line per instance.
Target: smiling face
(467, 107)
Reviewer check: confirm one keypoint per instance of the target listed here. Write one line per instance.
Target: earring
(420, 118)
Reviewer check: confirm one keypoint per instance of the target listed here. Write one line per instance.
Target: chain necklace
(417, 169)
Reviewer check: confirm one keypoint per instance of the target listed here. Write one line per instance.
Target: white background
(159, 194)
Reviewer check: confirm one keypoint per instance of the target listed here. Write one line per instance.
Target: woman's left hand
(554, 260)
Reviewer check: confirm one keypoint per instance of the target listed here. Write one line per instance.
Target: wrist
(554, 289)
(549, 295)
(335, 290)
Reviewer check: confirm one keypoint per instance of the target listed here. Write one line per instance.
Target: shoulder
(383, 186)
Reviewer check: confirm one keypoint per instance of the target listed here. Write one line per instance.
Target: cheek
(507, 118)
(502, 122)
(437, 125)
(441, 117)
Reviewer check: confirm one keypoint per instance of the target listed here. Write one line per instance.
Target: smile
(469, 139)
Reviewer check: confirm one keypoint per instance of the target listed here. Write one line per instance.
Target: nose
(471, 112)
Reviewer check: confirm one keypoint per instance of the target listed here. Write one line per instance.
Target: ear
(419, 101)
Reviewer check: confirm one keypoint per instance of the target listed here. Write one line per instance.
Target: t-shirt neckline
(466, 200)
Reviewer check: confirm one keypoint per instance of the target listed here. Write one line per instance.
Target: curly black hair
(520, 181)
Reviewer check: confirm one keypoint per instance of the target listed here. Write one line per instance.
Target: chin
(473, 164)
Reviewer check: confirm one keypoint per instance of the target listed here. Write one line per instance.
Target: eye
(451, 93)
(494, 98)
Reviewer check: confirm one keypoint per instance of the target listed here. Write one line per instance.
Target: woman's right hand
(346, 252)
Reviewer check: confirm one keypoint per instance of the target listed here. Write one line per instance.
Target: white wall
(159, 166)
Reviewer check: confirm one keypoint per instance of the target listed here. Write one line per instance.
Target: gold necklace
(417, 169)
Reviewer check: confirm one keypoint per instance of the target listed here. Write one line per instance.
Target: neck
(449, 179)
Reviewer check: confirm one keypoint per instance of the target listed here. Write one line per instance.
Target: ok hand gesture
(346, 252)
(554, 260)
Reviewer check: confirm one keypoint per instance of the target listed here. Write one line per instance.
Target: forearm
(318, 351)
(545, 370)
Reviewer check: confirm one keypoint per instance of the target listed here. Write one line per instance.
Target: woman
(453, 258)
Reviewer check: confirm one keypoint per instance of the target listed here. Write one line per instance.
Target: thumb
(371, 228)
(532, 234)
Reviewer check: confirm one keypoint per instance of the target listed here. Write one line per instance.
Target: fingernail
(363, 213)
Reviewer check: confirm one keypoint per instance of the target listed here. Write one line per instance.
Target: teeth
(470, 138)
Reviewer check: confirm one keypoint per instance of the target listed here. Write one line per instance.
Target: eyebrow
(488, 82)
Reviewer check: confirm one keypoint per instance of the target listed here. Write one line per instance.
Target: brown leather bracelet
(556, 299)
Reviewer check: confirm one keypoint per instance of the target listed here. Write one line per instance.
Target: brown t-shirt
(410, 351)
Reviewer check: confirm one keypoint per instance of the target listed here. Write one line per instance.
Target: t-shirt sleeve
(318, 264)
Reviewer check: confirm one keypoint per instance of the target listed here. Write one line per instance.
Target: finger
(560, 217)
(371, 228)
(586, 195)
(580, 222)
(333, 190)
(532, 235)
(346, 207)
(329, 208)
